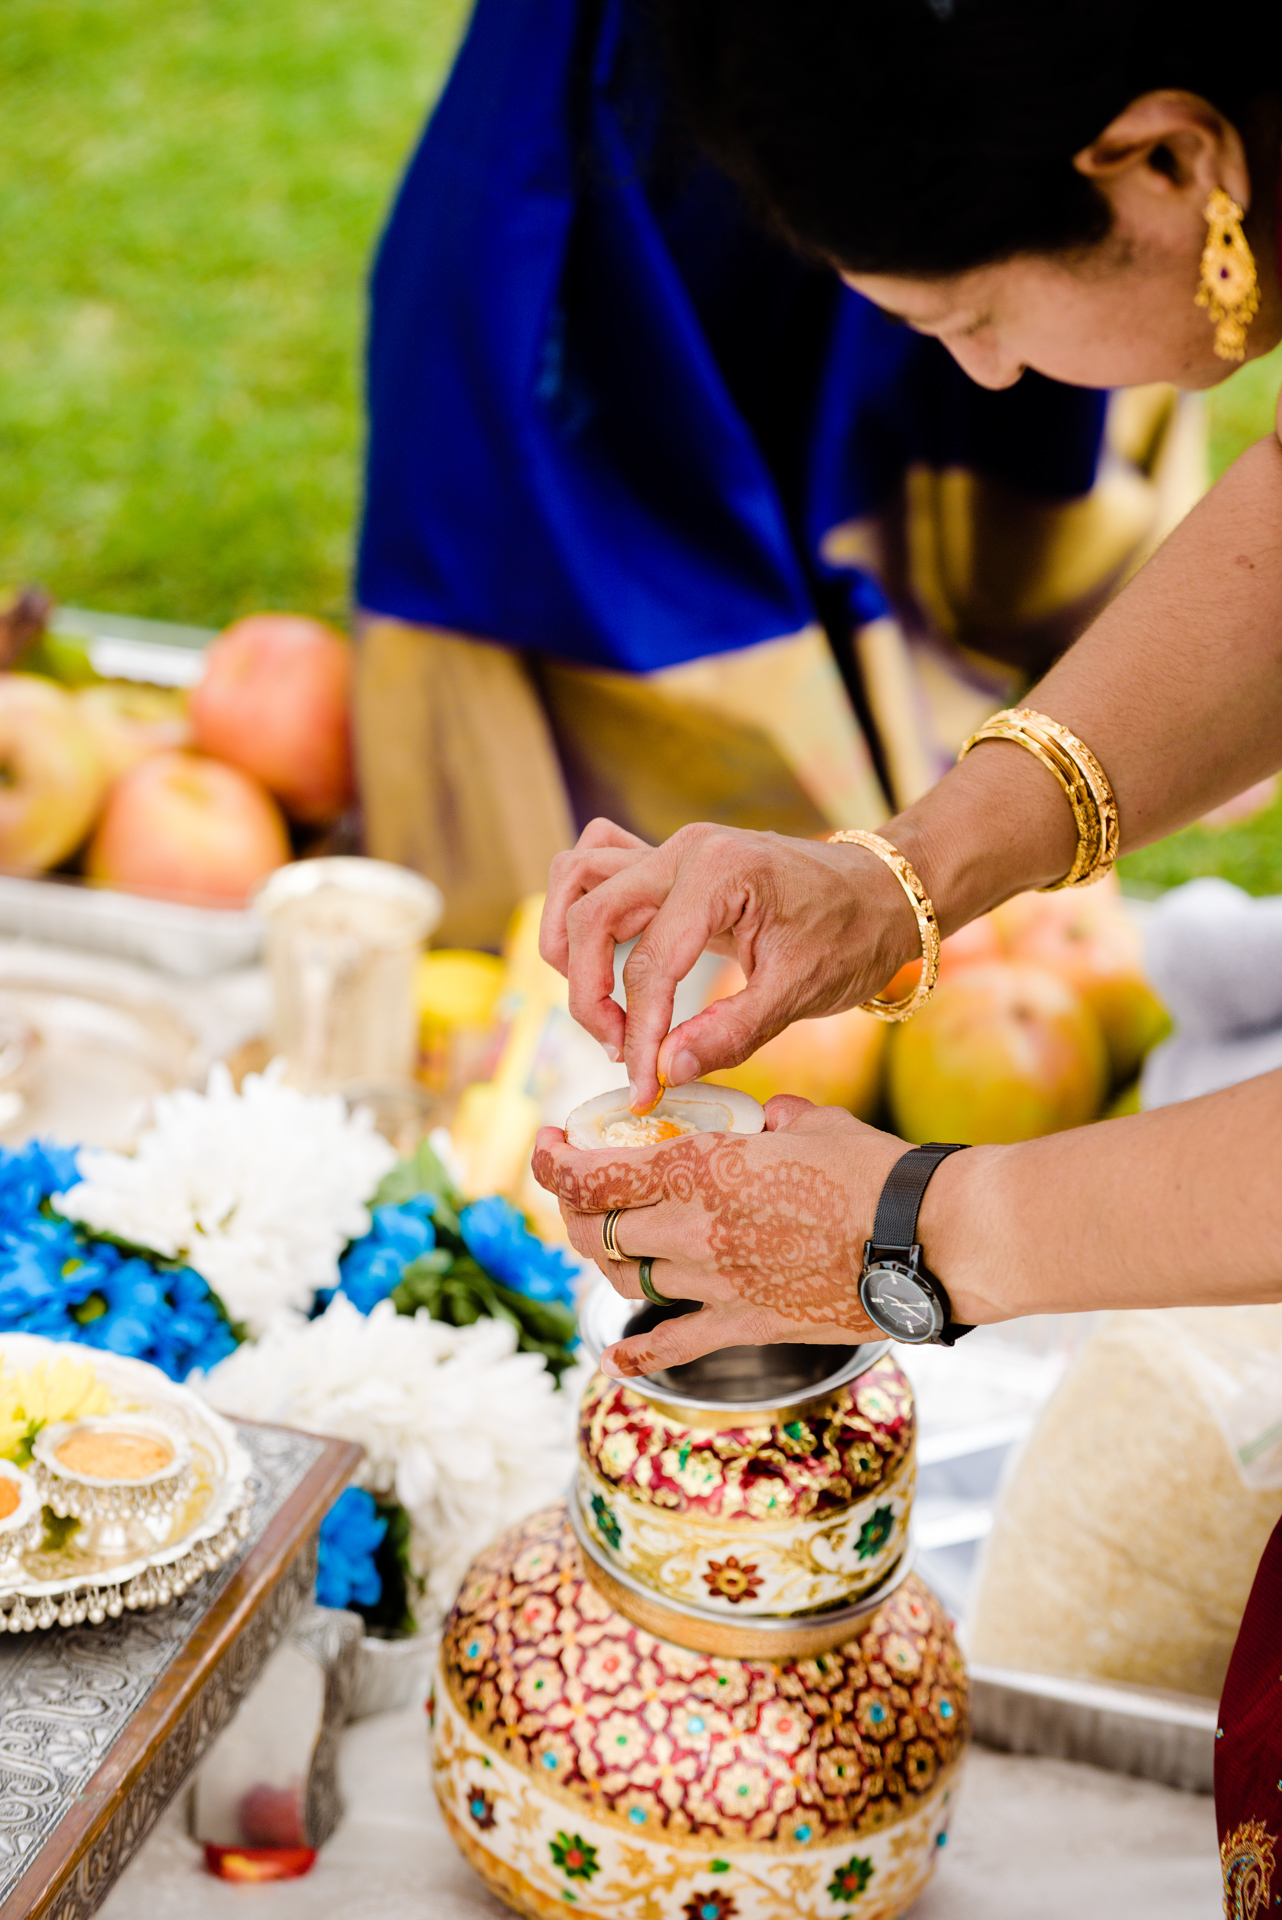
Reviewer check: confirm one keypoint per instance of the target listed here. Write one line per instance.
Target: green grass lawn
(189, 194)
(1251, 853)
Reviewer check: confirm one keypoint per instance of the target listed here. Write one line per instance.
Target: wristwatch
(897, 1290)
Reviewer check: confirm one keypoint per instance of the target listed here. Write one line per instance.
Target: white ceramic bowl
(700, 1107)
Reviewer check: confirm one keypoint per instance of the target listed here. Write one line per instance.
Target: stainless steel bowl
(753, 1379)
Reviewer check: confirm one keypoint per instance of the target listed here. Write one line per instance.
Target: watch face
(899, 1304)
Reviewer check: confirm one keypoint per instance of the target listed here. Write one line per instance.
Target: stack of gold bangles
(1083, 779)
(1087, 790)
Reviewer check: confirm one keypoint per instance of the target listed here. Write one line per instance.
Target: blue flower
(498, 1239)
(373, 1266)
(28, 1174)
(350, 1535)
(56, 1281)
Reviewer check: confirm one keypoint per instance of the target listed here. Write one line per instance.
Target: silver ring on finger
(608, 1241)
(648, 1288)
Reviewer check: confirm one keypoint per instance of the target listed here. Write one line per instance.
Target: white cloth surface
(1214, 955)
(1032, 1837)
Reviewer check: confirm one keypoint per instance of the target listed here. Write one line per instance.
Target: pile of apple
(188, 796)
(1041, 1020)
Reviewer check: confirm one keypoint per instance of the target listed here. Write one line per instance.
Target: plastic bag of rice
(1127, 1536)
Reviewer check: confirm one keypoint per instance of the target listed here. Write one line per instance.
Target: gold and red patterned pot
(783, 1512)
(581, 1760)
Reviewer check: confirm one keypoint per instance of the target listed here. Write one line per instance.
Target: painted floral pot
(581, 1760)
(783, 1512)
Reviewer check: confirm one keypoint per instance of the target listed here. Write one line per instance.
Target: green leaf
(421, 1173)
(465, 1294)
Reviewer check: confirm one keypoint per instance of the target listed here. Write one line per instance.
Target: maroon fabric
(1248, 1751)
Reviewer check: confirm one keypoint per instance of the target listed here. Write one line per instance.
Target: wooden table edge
(179, 1690)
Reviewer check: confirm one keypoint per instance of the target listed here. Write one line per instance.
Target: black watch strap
(900, 1202)
(895, 1228)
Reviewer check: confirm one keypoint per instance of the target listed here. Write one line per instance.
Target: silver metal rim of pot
(605, 1316)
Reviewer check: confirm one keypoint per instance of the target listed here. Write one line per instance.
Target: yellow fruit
(456, 988)
(1001, 1053)
(457, 995)
(1124, 1103)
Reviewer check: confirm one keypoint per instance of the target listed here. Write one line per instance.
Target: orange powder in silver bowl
(117, 1455)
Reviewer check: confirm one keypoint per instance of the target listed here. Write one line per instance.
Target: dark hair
(930, 136)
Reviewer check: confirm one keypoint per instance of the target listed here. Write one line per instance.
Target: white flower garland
(464, 1432)
(259, 1191)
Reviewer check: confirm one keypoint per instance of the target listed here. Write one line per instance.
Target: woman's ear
(1169, 145)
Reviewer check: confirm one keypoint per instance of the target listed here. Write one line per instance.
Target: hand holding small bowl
(763, 1227)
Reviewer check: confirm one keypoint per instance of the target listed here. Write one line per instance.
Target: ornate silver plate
(75, 1572)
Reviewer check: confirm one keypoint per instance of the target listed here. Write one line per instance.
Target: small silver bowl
(90, 1496)
(747, 1379)
(23, 1527)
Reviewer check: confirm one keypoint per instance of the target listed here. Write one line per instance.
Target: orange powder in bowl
(8, 1497)
(114, 1456)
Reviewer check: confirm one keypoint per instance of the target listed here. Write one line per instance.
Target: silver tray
(96, 1059)
(1159, 1736)
(66, 1585)
(173, 935)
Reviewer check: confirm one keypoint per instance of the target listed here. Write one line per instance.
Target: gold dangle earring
(1229, 289)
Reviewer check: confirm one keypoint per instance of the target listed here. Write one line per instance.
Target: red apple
(1086, 938)
(274, 700)
(971, 946)
(835, 1061)
(52, 778)
(1001, 1053)
(183, 826)
(1015, 917)
(131, 721)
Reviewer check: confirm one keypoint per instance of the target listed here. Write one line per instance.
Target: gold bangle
(923, 913)
(1086, 787)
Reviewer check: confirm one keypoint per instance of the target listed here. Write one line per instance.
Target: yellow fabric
(468, 755)
(991, 584)
(458, 772)
(764, 738)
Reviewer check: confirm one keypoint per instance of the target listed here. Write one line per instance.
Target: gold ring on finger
(648, 1287)
(608, 1240)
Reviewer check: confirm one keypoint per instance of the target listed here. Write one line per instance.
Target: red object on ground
(258, 1863)
(272, 1816)
(274, 700)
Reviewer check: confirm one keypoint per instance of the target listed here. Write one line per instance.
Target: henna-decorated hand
(767, 1230)
(815, 927)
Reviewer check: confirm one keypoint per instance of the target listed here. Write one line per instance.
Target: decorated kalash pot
(709, 1687)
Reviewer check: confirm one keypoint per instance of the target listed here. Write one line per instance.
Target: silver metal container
(1159, 1736)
